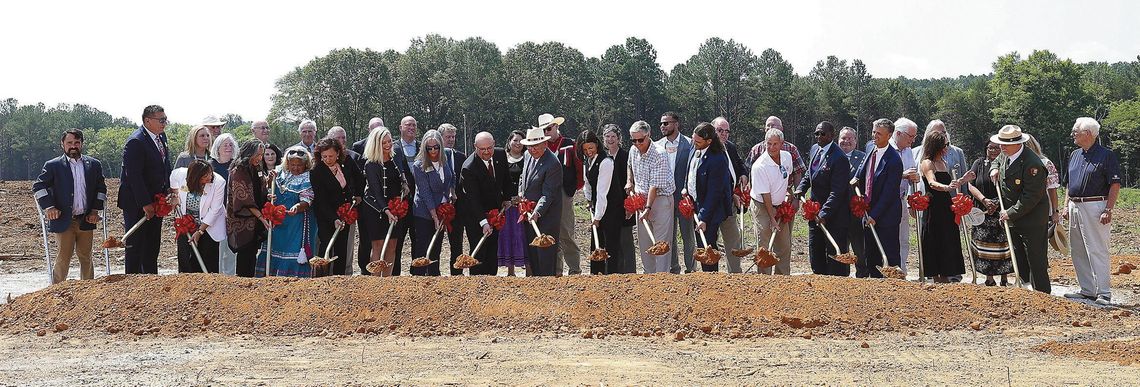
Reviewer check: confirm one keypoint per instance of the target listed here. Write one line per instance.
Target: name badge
(1016, 181)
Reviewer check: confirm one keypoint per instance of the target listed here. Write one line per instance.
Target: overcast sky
(214, 57)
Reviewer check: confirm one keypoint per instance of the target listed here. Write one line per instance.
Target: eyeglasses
(261, 127)
(490, 148)
(162, 120)
(637, 140)
(297, 152)
(663, 123)
(726, 131)
(432, 147)
(818, 133)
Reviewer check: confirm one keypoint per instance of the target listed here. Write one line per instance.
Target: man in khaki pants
(770, 175)
(70, 191)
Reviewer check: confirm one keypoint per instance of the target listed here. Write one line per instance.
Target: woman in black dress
(989, 248)
(335, 182)
(387, 179)
(611, 139)
(941, 244)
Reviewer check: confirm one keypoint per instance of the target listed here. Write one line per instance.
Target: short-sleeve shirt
(650, 170)
(1092, 172)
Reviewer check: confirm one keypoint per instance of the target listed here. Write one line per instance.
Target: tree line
(476, 86)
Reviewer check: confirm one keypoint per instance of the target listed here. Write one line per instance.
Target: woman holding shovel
(334, 184)
(434, 179)
(200, 194)
(386, 181)
(246, 194)
(769, 191)
(604, 193)
(293, 240)
(941, 245)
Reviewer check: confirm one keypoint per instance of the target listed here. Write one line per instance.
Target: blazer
(542, 183)
(714, 189)
(680, 168)
(886, 200)
(211, 209)
(829, 186)
(53, 188)
(735, 163)
(431, 190)
(481, 191)
(1023, 188)
(328, 195)
(145, 172)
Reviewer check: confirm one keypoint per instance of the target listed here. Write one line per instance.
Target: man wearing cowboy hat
(214, 125)
(541, 182)
(1021, 177)
(1094, 184)
(563, 149)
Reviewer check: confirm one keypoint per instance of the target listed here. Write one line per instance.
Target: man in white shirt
(769, 179)
(676, 148)
(905, 132)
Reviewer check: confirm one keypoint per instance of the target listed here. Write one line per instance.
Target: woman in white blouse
(606, 202)
(769, 190)
(201, 194)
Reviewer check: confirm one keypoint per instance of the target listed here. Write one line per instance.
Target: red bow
(686, 206)
(745, 199)
(785, 213)
(275, 214)
(961, 205)
(162, 207)
(859, 206)
(918, 201)
(496, 219)
(398, 207)
(347, 213)
(446, 213)
(811, 209)
(635, 203)
(526, 207)
(184, 224)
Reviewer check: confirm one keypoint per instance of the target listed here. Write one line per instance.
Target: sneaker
(1104, 300)
(1078, 296)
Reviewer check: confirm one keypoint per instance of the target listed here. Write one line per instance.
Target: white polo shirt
(771, 177)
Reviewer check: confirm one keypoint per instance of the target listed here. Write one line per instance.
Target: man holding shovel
(146, 173)
(1020, 179)
(541, 182)
(879, 179)
(827, 177)
(482, 179)
(770, 176)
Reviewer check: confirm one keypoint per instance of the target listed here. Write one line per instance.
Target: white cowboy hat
(534, 136)
(1009, 135)
(547, 118)
(212, 121)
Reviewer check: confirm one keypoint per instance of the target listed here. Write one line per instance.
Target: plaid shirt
(798, 167)
(650, 170)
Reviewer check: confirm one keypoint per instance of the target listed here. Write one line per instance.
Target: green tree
(1122, 132)
(548, 78)
(630, 84)
(340, 88)
(718, 81)
(1041, 93)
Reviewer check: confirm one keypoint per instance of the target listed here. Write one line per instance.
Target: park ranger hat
(534, 136)
(1009, 135)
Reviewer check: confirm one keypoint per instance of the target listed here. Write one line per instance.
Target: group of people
(532, 181)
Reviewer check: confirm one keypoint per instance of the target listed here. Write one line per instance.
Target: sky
(198, 58)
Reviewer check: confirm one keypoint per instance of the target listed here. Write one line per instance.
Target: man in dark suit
(483, 177)
(1021, 174)
(710, 184)
(827, 177)
(146, 173)
(308, 131)
(878, 179)
(70, 191)
(456, 158)
(541, 182)
(564, 150)
(848, 141)
(730, 228)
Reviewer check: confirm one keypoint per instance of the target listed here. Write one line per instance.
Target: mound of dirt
(1123, 352)
(700, 304)
(1061, 270)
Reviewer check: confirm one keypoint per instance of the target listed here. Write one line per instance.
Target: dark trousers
(141, 255)
(455, 243)
(247, 259)
(820, 250)
(1032, 259)
(543, 261)
(487, 255)
(188, 263)
(404, 230)
(340, 247)
(426, 228)
(874, 257)
(856, 245)
(610, 237)
(711, 231)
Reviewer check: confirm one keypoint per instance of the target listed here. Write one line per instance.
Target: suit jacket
(431, 190)
(855, 159)
(735, 163)
(829, 186)
(542, 183)
(211, 208)
(886, 200)
(328, 195)
(145, 172)
(54, 186)
(482, 192)
(680, 168)
(714, 189)
(309, 148)
(1023, 188)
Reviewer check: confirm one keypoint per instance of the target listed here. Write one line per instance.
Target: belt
(1087, 199)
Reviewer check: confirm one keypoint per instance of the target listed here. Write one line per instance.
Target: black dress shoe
(991, 282)
(1004, 282)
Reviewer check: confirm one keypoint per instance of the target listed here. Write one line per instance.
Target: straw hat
(1059, 239)
(1009, 135)
(547, 119)
(534, 136)
(212, 121)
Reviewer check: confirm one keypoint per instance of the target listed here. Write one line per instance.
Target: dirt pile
(1123, 352)
(700, 304)
(1061, 270)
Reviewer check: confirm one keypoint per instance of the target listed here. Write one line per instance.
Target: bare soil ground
(640, 329)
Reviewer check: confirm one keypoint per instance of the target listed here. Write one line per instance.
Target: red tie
(490, 170)
(870, 176)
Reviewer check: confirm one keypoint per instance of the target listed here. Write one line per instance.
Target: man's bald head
(485, 145)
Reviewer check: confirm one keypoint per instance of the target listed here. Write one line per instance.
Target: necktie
(815, 161)
(490, 170)
(161, 149)
(870, 176)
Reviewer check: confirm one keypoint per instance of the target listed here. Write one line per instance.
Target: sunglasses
(162, 120)
(637, 140)
(432, 147)
(818, 133)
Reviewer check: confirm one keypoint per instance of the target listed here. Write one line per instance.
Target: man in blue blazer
(146, 173)
(709, 181)
(677, 147)
(878, 180)
(70, 191)
(827, 178)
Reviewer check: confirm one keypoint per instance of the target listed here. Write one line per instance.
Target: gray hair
(885, 123)
(774, 133)
(445, 127)
(936, 123)
(307, 123)
(218, 144)
(849, 129)
(716, 122)
(904, 124)
(1089, 124)
(334, 130)
(377, 121)
(640, 126)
